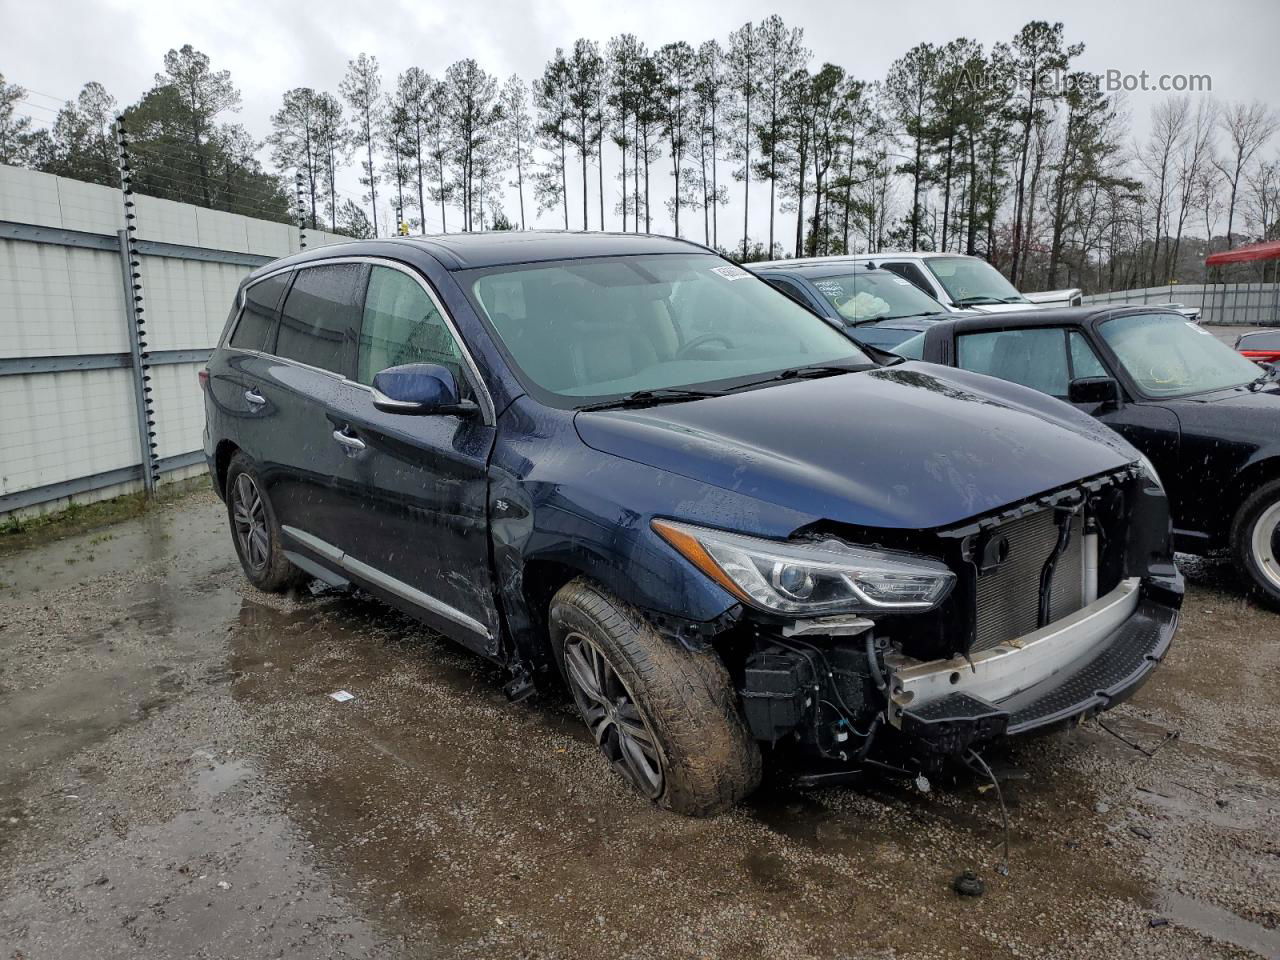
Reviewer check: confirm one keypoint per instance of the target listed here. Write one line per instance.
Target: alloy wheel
(1266, 543)
(610, 711)
(250, 518)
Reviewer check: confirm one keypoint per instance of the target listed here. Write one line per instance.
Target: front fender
(559, 504)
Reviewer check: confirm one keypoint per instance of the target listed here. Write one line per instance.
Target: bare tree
(744, 61)
(551, 96)
(518, 132)
(710, 90)
(584, 77)
(677, 66)
(1247, 127)
(1158, 159)
(1037, 52)
(909, 89)
(782, 53)
(362, 88)
(474, 117)
(413, 94)
(623, 56)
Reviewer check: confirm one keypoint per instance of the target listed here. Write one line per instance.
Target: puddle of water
(189, 533)
(1219, 924)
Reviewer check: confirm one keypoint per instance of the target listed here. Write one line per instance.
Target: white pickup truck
(967, 283)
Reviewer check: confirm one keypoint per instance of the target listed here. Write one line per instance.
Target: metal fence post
(302, 211)
(130, 271)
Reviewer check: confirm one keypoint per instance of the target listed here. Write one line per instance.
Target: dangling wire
(1169, 736)
(1004, 811)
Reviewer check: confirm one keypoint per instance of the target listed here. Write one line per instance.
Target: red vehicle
(1260, 346)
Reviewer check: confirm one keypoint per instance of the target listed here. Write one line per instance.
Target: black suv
(612, 461)
(1207, 417)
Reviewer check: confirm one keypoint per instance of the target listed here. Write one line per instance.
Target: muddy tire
(666, 718)
(255, 531)
(1255, 541)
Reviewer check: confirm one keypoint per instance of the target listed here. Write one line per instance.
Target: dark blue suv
(625, 463)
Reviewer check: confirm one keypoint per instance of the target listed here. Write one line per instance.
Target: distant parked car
(1261, 346)
(957, 281)
(875, 307)
(1206, 417)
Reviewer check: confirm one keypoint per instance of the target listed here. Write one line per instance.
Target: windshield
(611, 326)
(970, 281)
(1168, 356)
(875, 295)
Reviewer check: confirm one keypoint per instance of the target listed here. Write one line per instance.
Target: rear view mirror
(420, 389)
(1094, 390)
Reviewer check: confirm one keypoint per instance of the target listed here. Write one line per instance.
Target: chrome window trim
(487, 410)
(404, 591)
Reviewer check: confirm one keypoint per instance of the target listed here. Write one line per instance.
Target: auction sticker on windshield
(731, 272)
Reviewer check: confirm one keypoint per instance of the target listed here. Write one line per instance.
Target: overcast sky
(53, 47)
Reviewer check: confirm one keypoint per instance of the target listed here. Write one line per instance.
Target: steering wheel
(701, 340)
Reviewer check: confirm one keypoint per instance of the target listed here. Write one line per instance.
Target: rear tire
(1255, 541)
(665, 717)
(255, 531)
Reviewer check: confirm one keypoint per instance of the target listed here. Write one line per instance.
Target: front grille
(1008, 598)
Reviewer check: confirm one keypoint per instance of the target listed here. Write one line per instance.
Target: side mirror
(1095, 390)
(419, 389)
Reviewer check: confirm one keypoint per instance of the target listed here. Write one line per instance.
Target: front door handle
(353, 443)
(254, 397)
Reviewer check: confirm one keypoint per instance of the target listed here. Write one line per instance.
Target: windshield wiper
(645, 398)
(1272, 374)
(977, 301)
(806, 372)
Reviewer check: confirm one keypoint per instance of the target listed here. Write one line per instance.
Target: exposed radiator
(1008, 598)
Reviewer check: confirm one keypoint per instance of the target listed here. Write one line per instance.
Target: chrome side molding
(386, 582)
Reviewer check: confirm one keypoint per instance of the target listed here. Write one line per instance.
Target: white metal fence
(1247, 304)
(71, 369)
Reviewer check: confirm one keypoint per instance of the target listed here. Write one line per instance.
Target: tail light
(203, 376)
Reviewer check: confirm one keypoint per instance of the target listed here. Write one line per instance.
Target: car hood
(911, 446)
(1237, 401)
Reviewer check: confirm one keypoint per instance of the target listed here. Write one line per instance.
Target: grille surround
(1007, 599)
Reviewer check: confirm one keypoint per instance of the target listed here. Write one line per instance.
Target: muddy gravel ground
(175, 781)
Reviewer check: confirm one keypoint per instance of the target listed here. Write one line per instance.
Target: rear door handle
(254, 397)
(353, 443)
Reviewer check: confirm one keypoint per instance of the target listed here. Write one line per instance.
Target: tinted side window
(1259, 341)
(1084, 362)
(1034, 358)
(790, 289)
(320, 316)
(260, 302)
(913, 273)
(402, 325)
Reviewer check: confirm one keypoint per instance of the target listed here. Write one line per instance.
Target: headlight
(810, 579)
(1149, 469)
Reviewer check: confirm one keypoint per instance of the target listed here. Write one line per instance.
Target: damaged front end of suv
(930, 644)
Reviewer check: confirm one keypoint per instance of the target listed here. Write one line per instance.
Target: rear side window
(260, 302)
(789, 288)
(909, 271)
(1263, 340)
(320, 317)
(402, 325)
(1035, 358)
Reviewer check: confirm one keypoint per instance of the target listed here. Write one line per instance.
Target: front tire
(255, 531)
(1255, 541)
(666, 718)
